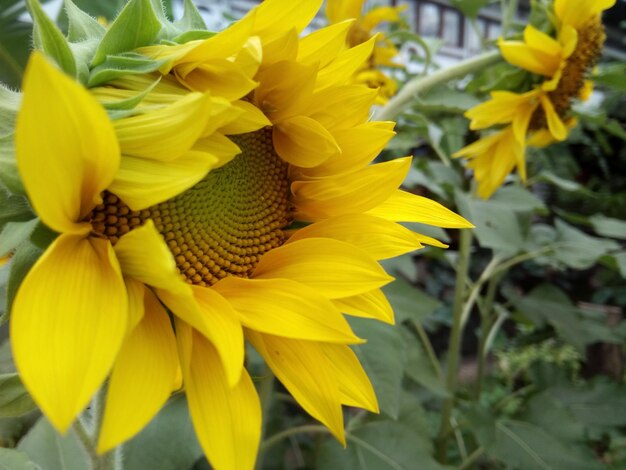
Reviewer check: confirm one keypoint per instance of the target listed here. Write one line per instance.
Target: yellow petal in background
(142, 377)
(67, 325)
(380, 238)
(286, 308)
(66, 150)
(355, 389)
(339, 10)
(372, 304)
(335, 269)
(227, 419)
(303, 369)
(304, 142)
(578, 12)
(407, 207)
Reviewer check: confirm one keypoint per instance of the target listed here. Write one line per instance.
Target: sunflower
(239, 196)
(361, 30)
(541, 115)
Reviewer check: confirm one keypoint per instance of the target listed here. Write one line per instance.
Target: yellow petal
(407, 207)
(167, 133)
(372, 304)
(329, 106)
(355, 388)
(249, 58)
(322, 46)
(136, 310)
(379, 14)
(534, 60)
(142, 377)
(218, 146)
(219, 76)
(503, 108)
(380, 238)
(67, 325)
(282, 48)
(359, 146)
(339, 10)
(142, 182)
(304, 142)
(66, 149)
(274, 17)
(577, 12)
(304, 370)
(251, 119)
(555, 124)
(339, 71)
(285, 308)
(335, 269)
(352, 193)
(227, 419)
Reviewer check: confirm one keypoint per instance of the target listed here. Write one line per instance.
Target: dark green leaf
(578, 250)
(608, 227)
(14, 399)
(168, 442)
(22, 261)
(14, 233)
(409, 302)
(420, 369)
(137, 25)
(384, 359)
(14, 460)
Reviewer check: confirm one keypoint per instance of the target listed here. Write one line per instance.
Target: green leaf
(561, 183)
(22, 261)
(470, 7)
(192, 19)
(137, 25)
(382, 445)
(497, 227)
(81, 26)
(612, 76)
(409, 302)
(420, 369)
(116, 66)
(14, 460)
(49, 38)
(518, 199)
(106, 9)
(384, 359)
(547, 412)
(578, 250)
(14, 399)
(168, 442)
(608, 227)
(446, 99)
(15, 42)
(47, 448)
(620, 260)
(9, 105)
(8, 166)
(193, 35)
(14, 233)
(13, 208)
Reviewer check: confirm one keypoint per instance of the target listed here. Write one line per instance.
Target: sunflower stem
(266, 396)
(279, 436)
(419, 85)
(454, 349)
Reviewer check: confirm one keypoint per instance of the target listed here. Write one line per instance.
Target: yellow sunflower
(191, 204)
(361, 30)
(540, 116)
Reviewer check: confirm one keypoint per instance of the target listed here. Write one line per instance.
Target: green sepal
(9, 176)
(137, 25)
(14, 399)
(129, 103)
(21, 263)
(193, 36)
(13, 208)
(191, 18)
(9, 104)
(14, 234)
(49, 38)
(43, 236)
(83, 52)
(81, 26)
(116, 66)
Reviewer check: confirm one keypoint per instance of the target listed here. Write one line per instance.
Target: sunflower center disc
(223, 224)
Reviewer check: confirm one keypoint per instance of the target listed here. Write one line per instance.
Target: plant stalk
(419, 85)
(266, 395)
(456, 336)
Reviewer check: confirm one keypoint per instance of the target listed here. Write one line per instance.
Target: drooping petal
(142, 377)
(407, 207)
(143, 182)
(353, 193)
(555, 124)
(577, 12)
(67, 325)
(286, 308)
(380, 238)
(165, 134)
(136, 302)
(355, 388)
(66, 150)
(304, 142)
(303, 369)
(372, 304)
(335, 269)
(227, 419)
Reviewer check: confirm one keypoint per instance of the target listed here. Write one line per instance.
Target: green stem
(279, 436)
(486, 321)
(266, 389)
(430, 351)
(87, 441)
(454, 349)
(473, 457)
(420, 85)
